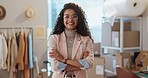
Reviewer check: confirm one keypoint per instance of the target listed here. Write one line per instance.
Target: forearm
(74, 63)
(82, 63)
(72, 68)
(60, 58)
(68, 61)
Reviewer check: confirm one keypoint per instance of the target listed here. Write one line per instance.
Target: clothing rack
(16, 27)
(31, 29)
(22, 29)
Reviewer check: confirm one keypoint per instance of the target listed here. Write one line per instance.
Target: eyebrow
(68, 14)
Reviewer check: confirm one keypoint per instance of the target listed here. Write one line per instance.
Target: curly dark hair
(82, 27)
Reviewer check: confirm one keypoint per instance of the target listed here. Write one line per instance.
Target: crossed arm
(72, 65)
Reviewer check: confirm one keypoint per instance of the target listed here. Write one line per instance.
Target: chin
(70, 28)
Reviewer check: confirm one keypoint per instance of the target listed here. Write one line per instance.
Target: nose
(70, 19)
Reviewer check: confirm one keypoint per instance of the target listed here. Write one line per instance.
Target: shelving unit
(122, 48)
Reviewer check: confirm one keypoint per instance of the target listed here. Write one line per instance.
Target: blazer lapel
(76, 45)
(63, 44)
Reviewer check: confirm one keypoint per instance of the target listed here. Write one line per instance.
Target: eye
(74, 16)
(66, 16)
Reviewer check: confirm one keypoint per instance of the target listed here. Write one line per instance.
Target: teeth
(70, 23)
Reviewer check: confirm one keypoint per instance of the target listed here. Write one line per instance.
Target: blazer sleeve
(90, 49)
(52, 44)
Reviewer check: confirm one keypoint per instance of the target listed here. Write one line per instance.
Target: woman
(70, 44)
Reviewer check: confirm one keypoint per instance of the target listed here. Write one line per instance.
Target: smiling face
(70, 19)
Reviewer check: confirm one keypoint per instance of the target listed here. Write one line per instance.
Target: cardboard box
(130, 39)
(142, 60)
(145, 63)
(98, 70)
(115, 38)
(96, 48)
(110, 62)
(123, 59)
(116, 26)
(110, 66)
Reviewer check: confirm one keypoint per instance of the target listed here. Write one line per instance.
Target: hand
(55, 54)
(85, 54)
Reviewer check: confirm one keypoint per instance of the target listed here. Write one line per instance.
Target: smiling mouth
(70, 23)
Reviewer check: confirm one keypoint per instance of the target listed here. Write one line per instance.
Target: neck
(70, 33)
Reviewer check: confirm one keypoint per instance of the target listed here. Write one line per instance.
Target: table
(141, 74)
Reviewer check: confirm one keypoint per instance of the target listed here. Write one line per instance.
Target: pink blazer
(81, 44)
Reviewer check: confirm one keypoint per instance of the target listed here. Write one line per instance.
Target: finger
(51, 53)
(52, 50)
(87, 52)
(52, 56)
(84, 52)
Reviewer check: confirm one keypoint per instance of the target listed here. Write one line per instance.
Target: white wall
(145, 28)
(15, 17)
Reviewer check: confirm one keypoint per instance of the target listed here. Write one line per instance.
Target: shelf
(107, 30)
(127, 19)
(118, 48)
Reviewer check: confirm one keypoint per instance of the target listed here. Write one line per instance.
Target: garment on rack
(30, 50)
(9, 53)
(13, 50)
(21, 50)
(26, 62)
(0, 49)
(17, 39)
(4, 52)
